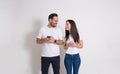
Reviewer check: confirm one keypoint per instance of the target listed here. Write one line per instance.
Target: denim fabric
(46, 61)
(72, 61)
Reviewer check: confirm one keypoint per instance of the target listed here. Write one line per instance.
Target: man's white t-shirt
(50, 49)
(72, 50)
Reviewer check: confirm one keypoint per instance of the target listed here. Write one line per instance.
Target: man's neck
(49, 25)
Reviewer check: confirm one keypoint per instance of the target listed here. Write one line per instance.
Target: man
(51, 37)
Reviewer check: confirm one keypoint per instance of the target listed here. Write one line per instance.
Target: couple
(51, 37)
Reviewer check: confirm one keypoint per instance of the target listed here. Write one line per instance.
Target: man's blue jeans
(72, 61)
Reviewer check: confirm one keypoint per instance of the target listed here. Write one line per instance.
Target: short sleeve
(81, 36)
(40, 34)
(60, 35)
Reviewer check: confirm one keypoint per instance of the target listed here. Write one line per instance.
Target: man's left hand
(51, 40)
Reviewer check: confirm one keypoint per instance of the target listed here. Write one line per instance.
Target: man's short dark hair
(52, 15)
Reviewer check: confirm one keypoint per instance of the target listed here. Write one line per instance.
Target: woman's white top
(72, 50)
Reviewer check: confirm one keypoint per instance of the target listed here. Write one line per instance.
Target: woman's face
(67, 26)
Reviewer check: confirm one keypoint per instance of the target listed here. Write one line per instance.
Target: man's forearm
(59, 42)
(40, 41)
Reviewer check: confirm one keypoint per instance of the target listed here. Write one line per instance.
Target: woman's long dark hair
(73, 32)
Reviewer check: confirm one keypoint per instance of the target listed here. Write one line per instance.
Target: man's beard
(53, 25)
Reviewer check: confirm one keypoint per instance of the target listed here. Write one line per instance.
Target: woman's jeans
(72, 61)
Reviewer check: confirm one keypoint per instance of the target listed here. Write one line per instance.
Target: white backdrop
(98, 22)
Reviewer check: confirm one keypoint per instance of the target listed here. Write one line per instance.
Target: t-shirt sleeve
(60, 35)
(40, 34)
(81, 36)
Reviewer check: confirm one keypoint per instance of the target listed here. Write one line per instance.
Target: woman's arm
(80, 45)
(74, 44)
(65, 45)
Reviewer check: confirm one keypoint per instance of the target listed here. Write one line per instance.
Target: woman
(72, 45)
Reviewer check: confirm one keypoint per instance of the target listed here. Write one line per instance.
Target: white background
(98, 22)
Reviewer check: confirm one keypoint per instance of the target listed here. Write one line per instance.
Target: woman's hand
(65, 46)
(72, 44)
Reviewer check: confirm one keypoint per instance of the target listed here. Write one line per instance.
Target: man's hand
(40, 41)
(51, 39)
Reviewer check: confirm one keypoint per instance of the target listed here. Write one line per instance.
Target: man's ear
(50, 20)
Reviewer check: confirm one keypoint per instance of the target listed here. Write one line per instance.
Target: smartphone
(48, 36)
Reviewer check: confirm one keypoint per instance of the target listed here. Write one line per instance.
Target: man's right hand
(40, 41)
(43, 40)
(50, 40)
